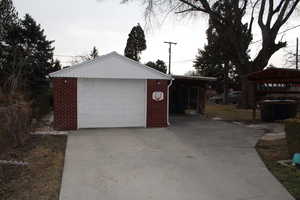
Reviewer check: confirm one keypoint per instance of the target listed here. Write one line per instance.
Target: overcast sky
(78, 25)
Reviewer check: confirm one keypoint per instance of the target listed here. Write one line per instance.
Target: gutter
(168, 102)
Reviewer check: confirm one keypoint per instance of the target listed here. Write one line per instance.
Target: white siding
(111, 103)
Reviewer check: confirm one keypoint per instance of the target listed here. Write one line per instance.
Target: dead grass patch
(230, 112)
(41, 179)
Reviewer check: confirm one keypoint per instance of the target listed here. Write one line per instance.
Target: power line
(182, 61)
(65, 55)
(189, 60)
(294, 27)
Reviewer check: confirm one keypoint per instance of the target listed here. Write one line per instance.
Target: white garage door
(111, 103)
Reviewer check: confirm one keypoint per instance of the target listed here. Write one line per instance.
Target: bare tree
(271, 15)
(290, 58)
(79, 59)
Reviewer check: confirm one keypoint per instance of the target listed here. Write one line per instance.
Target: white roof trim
(202, 78)
(145, 66)
(77, 72)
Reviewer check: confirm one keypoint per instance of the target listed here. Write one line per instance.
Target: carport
(188, 93)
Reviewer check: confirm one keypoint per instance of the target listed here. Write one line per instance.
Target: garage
(110, 91)
(111, 103)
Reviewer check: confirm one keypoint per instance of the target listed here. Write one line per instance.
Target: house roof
(276, 75)
(113, 66)
(199, 78)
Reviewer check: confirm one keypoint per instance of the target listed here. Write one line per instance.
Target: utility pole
(170, 52)
(297, 49)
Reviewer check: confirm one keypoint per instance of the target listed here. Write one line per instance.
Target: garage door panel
(111, 103)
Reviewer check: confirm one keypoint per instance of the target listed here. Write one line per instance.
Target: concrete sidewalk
(191, 160)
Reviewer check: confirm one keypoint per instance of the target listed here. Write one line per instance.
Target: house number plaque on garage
(158, 96)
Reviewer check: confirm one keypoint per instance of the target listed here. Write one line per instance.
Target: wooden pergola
(275, 83)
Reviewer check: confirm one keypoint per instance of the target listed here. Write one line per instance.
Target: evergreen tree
(27, 57)
(158, 65)
(94, 53)
(39, 54)
(8, 21)
(136, 43)
(55, 66)
(8, 16)
(217, 57)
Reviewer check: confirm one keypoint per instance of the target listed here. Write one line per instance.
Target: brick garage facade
(65, 103)
(157, 111)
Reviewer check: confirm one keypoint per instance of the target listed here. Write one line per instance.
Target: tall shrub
(15, 121)
(292, 130)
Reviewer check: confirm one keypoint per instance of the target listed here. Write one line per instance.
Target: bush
(292, 131)
(15, 121)
(42, 105)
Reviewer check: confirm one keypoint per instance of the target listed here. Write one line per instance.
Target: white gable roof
(112, 65)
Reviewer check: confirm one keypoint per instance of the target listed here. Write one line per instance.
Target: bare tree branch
(280, 17)
(270, 13)
(290, 12)
(261, 14)
(252, 17)
(277, 9)
(187, 10)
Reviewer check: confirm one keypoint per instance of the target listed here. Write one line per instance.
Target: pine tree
(217, 57)
(136, 43)
(55, 66)
(39, 55)
(26, 57)
(8, 16)
(8, 24)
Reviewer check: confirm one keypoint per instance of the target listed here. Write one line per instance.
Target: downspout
(168, 102)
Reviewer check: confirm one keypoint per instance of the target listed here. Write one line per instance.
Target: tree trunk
(247, 100)
(226, 69)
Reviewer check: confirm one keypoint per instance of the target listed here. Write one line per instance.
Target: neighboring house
(110, 91)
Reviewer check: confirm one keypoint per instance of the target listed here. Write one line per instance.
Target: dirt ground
(41, 178)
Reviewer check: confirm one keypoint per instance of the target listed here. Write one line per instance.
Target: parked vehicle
(233, 97)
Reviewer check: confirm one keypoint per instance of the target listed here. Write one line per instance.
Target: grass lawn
(272, 152)
(230, 112)
(41, 179)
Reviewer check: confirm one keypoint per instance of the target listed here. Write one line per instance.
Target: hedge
(292, 130)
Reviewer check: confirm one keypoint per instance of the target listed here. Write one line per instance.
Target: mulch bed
(41, 178)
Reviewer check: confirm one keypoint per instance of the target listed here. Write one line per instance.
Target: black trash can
(272, 110)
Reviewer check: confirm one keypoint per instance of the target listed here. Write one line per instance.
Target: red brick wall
(65, 103)
(157, 110)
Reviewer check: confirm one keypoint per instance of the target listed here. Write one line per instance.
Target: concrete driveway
(191, 160)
